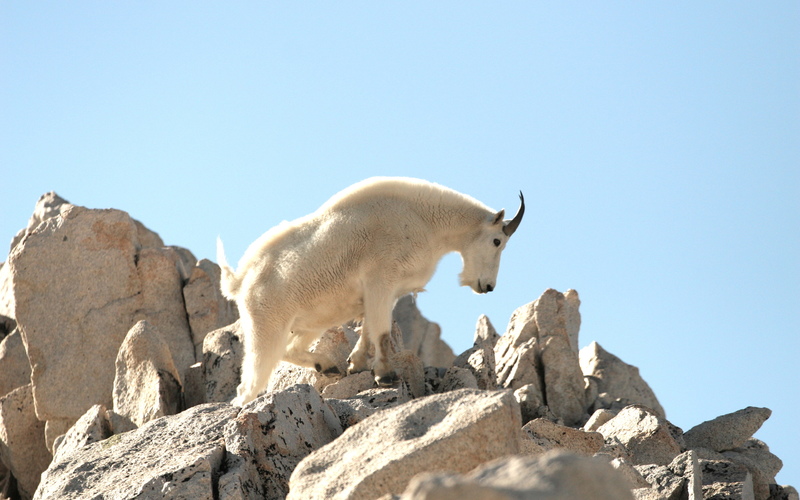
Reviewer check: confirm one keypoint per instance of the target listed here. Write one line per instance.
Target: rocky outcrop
(540, 350)
(616, 380)
(119, 356)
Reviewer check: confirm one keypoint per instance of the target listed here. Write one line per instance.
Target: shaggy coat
(353, 258)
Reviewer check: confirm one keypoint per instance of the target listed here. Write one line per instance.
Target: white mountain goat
(353, 258)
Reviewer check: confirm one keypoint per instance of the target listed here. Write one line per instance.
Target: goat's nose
(489, 288)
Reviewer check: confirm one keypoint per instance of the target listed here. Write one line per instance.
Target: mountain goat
(353, 258)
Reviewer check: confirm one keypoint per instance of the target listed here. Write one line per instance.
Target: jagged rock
(664, 484)
(433, 379)
(729, 431)
(557, 475)
(687, 465)
(223, 352)
(485, 333)
(269, 437)
(207, 309)
(421, 336)
(15, 370)
(519, 365)
(48, 206)
(22, 447)
(410, 370)
(629, 471)
(763, 465)
(147, 384)
(194, 386)
(647, 438)
(538, 349)
(598, 418)
(455, 431)
(531, 403)
(547, 435)
(563, 380)
(457, 378)
(81, 280)
(778, 492)
(479, 359)
(726, 480)
(617, 379)
(355, 409)
(92, 427)
(177, 456)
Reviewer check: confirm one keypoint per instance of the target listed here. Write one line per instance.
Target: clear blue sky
(657, 144)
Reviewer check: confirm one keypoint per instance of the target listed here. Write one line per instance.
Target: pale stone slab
(453, 431)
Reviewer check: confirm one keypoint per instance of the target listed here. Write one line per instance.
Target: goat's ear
(498, 219)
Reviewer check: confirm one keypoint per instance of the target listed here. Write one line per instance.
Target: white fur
(353, 258)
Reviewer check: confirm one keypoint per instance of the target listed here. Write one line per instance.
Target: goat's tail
(229, 282)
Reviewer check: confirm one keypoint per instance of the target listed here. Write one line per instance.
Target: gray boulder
(723, 479)
(92, 427)
(646, 437)
(367, 403)
(269, 437)
(147, 384)
(729, 431)
(178, 456)
(557, 475)
(350, 386)
(223, 352)
(81, 280)
(454, 431)
(544, 435)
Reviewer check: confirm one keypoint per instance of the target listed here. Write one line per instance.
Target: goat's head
(482, 255)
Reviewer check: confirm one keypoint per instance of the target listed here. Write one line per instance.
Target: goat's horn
(513, 224)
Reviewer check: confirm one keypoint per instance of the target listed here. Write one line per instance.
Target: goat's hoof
(388, 380)
(353, 369)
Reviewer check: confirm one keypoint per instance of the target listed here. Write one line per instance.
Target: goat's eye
(496, 242)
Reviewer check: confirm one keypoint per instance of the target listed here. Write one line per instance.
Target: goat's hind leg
(264, 346)
(297, 352)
